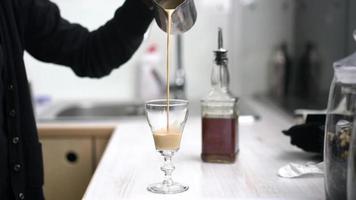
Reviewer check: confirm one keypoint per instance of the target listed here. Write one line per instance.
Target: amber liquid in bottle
(219, 139)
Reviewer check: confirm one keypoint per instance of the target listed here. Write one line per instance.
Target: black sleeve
(50, 38)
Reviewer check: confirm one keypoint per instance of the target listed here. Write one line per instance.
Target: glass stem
(167, 168)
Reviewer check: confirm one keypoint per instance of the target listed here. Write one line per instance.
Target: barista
(37, 27)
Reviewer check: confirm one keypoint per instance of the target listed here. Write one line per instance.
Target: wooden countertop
(130, 163)
(56, 129)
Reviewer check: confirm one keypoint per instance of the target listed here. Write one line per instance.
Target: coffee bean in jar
(337, 156)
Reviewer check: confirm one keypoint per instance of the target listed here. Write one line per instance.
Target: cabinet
(70, 156)
(100, 145)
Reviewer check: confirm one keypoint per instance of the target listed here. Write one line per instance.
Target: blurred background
(280, 51)
(283, 49)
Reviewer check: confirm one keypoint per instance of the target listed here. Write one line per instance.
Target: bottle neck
(220, 76)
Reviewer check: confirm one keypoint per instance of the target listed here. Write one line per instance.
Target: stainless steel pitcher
(183, 17)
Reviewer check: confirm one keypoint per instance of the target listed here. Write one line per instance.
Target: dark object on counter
(309, 137)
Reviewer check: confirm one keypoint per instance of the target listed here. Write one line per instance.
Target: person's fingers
(148, 3)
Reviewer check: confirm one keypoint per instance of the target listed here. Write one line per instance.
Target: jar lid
(345, 70)
(346, 74)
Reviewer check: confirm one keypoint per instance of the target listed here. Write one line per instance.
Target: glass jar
(338, 131)
(351, 172)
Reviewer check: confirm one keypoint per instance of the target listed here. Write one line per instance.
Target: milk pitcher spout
(183, 16)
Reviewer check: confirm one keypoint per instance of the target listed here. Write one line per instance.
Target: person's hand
(148, 3)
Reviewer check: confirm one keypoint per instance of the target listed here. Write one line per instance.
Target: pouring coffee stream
(167, 139)
(173, 16)
(169, 29)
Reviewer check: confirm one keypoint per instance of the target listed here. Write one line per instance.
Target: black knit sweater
(37, 27)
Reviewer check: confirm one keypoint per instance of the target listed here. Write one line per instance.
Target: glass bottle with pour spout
(219, 114)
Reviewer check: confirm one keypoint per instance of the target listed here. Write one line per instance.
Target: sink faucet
(178, 87)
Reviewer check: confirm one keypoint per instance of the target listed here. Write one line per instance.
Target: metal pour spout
(220, 39)
(220, 53)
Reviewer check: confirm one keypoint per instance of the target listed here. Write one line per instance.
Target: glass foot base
(163, 189)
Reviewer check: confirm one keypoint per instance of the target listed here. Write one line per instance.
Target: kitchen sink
(69, 111)
(105, 110)
(93, 111)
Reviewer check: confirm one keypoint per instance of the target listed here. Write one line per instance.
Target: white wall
(60, 82)
(263, 25)
(250, 35)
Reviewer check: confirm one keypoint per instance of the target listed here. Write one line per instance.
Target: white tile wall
(250, 35)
